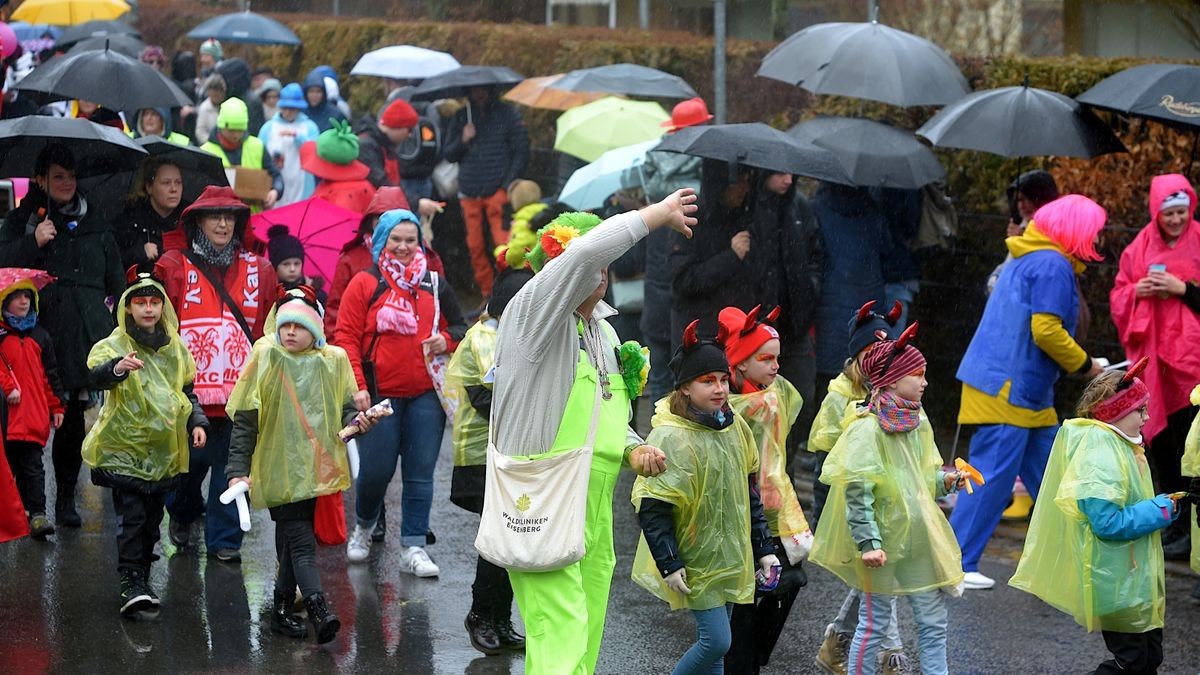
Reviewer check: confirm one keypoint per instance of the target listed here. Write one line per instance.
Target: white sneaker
(415, 560)
(358, 548)
(974, 581)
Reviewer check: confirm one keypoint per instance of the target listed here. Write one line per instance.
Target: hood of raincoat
(216, 198)
(472, 360)
(706, 484)
(169, 320)
(1166, 185)
(22, 285)
(1113, 586)
(316, 78)
(237, 75)
(164, 113)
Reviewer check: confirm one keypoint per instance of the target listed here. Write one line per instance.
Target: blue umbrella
(34, 31)
(247, 27)
(618, 168)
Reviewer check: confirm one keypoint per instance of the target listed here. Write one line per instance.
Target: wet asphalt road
(58, 611)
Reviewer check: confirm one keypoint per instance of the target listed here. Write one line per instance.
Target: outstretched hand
(677, 211)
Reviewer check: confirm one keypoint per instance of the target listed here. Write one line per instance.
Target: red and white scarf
(212, 334)
(398, 314)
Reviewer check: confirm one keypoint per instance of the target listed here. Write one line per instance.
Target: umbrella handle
(470, 120)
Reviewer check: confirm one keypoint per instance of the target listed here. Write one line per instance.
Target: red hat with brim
(217, 198)
(324, 169)
(687, 113)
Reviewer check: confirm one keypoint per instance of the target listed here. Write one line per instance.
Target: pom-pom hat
(300, 306)
(283, 245)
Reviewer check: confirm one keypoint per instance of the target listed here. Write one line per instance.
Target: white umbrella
(619, 168)
(404, 62)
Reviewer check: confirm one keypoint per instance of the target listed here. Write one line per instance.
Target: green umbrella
(590, 130)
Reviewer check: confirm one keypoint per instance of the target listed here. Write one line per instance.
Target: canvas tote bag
(534, 510)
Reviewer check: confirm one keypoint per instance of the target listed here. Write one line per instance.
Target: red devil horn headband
(894, 313)
(907, 336)
(773, 315)
(864, 313)
(751, 320)
(689, 335)
(1133, 373)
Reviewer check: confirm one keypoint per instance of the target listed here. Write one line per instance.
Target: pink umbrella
(10, 276)
(322, 227)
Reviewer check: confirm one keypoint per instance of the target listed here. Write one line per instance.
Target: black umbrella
(91, 29)
(873, 154)
(757, 145)
(106, 77)
(454, 83)
(628, 79)
(866, 60)
(126, 44)
(1167, 92)
(246, 27)
(97, 148)
(107, 193)
(1021, 122)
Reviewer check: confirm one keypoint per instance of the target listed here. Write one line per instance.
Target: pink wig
(1072, 222)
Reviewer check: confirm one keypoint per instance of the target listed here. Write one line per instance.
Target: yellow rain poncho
(1191, 467)
(142, 428)
(471, 361)
(827, 427)
(707, 483)
(299, 399)
(901, 471)
(1105, 585)
(770, 414)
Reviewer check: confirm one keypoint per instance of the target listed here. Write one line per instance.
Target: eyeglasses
(230, 218)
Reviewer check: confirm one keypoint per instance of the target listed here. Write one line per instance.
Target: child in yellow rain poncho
(1093, 548)
(883, 533)
(139, 445)
(769, 404)
(287, 408)
(845, 392)
(489, 623)
(1191, 467)
(702, 522)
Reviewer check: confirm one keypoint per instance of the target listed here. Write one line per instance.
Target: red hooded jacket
(29, 365)
(1164, 329)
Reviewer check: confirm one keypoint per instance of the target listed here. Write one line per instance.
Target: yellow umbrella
(597, 127)
(535, 92)
(69, 12)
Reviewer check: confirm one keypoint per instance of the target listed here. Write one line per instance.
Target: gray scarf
(211, 254)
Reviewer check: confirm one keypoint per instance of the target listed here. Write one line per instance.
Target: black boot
(283, 621)
(324, 622)
(483, 634)
(64, 507)
(509, 638)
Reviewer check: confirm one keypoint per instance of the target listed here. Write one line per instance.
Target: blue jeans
(847, 620)
(412, 435)
(713, 637)
(1001, 452)
(186, 503)
(415, 189)
(874, 621)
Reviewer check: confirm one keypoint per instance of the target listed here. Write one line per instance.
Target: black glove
(1193, 496)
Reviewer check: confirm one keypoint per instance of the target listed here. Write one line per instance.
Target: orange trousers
(481, 256)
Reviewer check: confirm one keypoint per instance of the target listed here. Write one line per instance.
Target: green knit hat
(233, 115)
(554, 238)
(338, 144)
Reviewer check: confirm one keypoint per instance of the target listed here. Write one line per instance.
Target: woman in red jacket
(386, 322)
(33, 395)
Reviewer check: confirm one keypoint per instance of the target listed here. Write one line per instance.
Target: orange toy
(972, 474)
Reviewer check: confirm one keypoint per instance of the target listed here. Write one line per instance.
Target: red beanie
(746, 334)
(399, 115)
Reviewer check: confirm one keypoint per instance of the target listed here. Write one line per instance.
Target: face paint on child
(290, 270)
(763, 367)
(910, 387)
(146, 311)
(296, 338)
(708, 393)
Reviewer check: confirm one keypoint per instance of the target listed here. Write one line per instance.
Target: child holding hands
(702, 521)
(1093, 549)
(287, 408)
(882, 532)
(139, 444)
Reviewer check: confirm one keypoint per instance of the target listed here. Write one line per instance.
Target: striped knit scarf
(895, 414)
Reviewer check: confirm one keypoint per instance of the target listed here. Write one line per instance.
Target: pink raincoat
(1164, 329)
